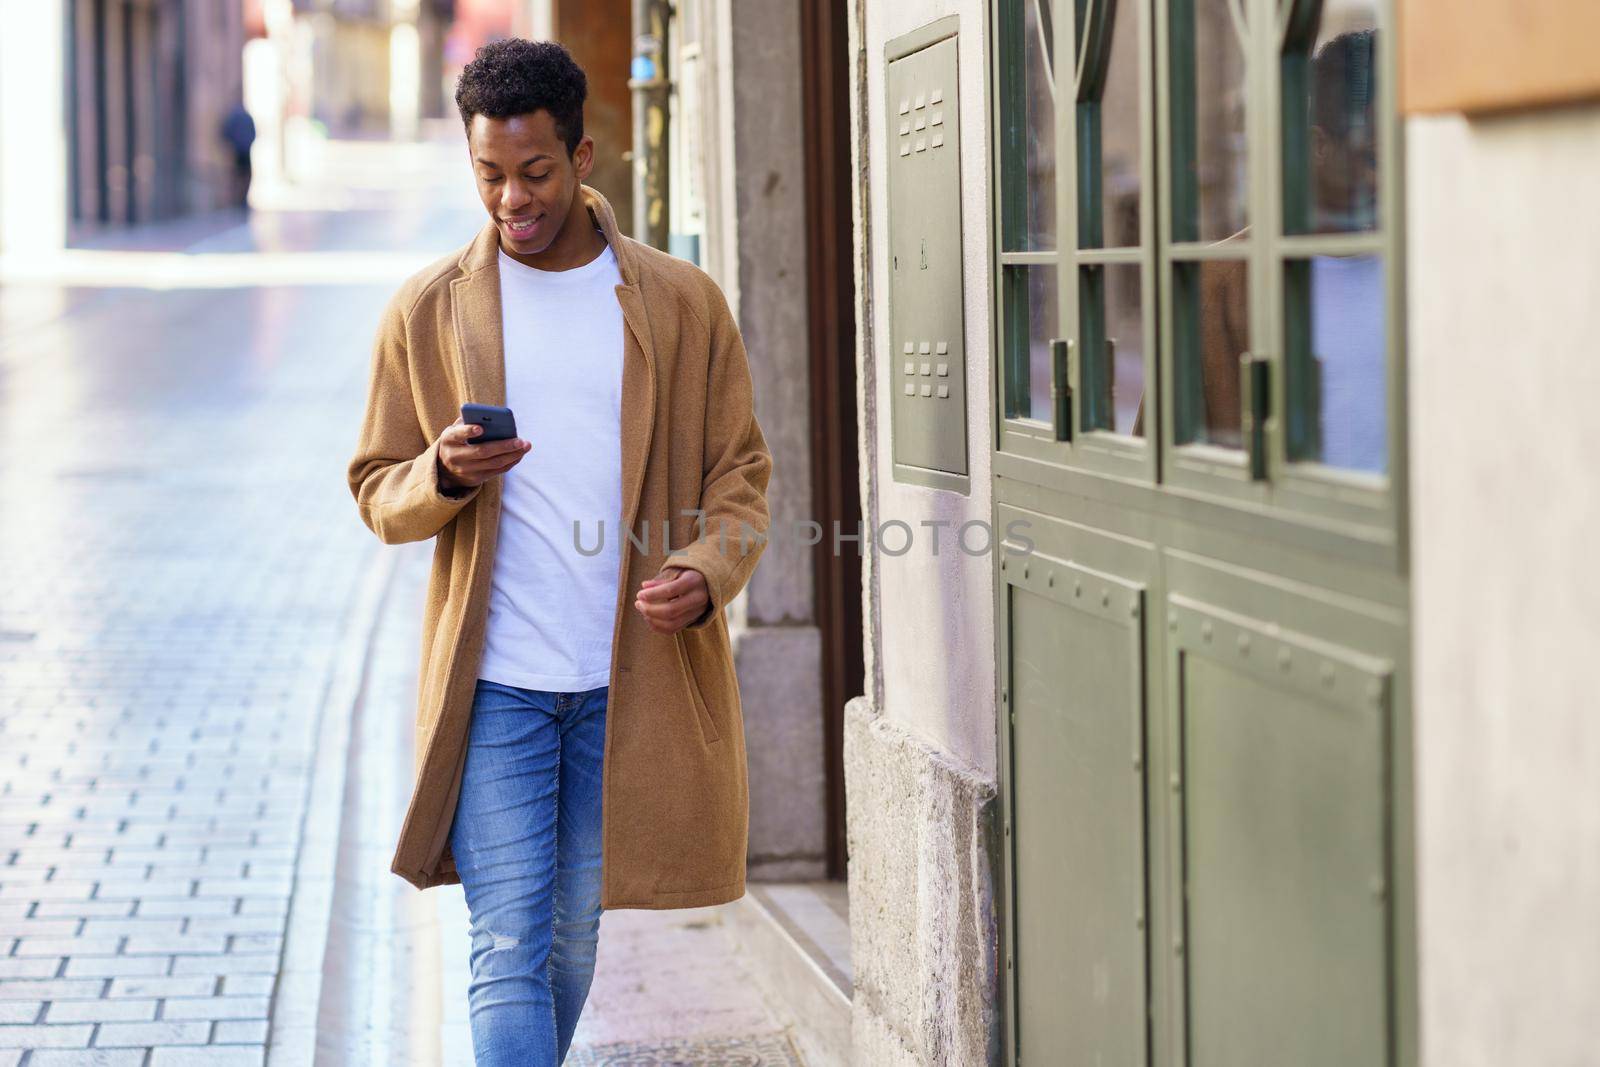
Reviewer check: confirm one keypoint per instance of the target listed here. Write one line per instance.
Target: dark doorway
(825, 105)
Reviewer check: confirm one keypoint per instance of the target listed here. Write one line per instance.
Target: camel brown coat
(675, 807)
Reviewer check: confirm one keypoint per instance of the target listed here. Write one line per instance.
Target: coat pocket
(707, 726)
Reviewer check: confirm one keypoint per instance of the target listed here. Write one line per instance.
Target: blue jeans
(526, 842)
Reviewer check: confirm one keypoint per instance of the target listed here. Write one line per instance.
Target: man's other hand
(672, 599)
(463, 465)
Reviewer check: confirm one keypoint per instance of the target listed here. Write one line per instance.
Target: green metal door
(1203, 654)
(1081, 846)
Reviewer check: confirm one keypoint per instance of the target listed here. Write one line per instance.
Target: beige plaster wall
(933, 614)
(1504, 371)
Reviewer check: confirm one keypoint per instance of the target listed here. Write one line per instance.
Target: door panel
(1281, 801)
(1077, 759)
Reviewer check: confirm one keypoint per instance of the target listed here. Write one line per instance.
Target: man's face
(1345, 169)
(526, 179)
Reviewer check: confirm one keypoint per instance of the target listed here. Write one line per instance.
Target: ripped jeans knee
(508, 935)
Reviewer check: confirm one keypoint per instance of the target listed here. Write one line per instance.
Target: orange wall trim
(1495, 55)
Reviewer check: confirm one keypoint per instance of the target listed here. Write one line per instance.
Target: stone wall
(923, 936)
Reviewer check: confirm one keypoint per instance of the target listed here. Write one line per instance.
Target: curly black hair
(1343, 89)
(515, 77)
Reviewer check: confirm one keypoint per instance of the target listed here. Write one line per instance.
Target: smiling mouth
(522, 227)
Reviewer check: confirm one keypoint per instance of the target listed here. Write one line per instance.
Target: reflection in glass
(1032, 320)
(1330, 145)
(1336, 346)
(1111, 316)
(1210, 332)
(1108, 137)
(1038, 130)
(1208, 120)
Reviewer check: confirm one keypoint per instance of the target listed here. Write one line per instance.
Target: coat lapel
(638, 360)
(638, 400)
(475, 305)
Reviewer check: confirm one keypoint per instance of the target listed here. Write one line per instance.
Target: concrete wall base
(923, 938)
(813, 1007)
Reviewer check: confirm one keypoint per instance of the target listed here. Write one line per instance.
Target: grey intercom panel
(927, 360)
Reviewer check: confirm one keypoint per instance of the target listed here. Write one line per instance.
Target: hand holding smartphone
(495, 424)
(479, 445)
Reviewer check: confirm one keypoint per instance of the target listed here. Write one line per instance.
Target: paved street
(194, 624)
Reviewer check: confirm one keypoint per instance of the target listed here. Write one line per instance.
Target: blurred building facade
(599, 34)
(377, 66)
(111, 111)
(111, 114)
(149, 86)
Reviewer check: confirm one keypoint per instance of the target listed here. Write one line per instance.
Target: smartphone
(498, 423)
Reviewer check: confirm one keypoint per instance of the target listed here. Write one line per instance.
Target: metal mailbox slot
(927, 359)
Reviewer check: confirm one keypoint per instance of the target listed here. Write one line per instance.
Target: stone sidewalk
(178, 567)
(180, 559)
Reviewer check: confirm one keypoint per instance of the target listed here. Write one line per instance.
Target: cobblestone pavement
(179, 555)
(183, 572)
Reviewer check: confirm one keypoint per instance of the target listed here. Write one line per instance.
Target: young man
(579, 734)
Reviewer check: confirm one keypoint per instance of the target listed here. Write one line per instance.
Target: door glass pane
(1035, 127)
(1032, 320)
(1330, 144)
(1108, 136)
(1208, 120)
(1336, 345)
(1112, 322)
(1210, 332)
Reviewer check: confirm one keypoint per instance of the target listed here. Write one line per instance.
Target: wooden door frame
(831, 333)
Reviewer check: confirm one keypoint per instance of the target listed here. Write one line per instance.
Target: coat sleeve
(737, 467)
(394, 472)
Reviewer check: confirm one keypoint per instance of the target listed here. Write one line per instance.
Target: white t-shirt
(552, 606)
